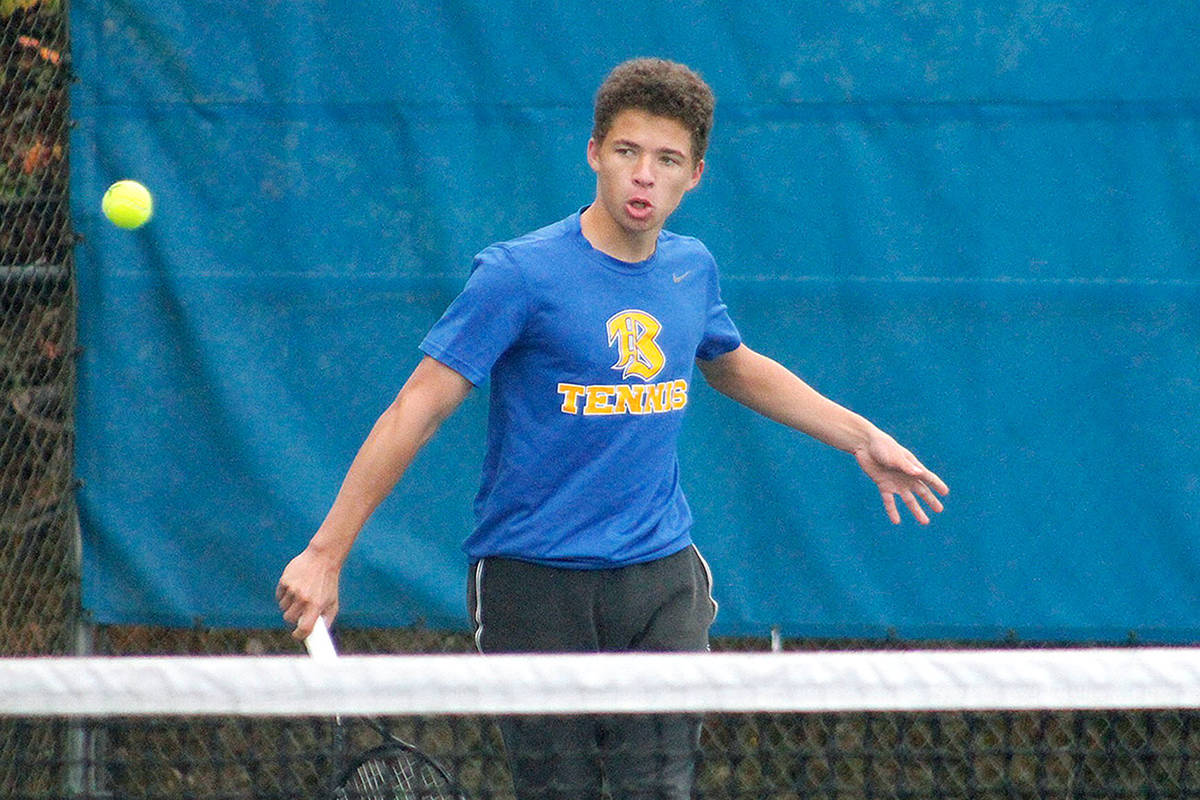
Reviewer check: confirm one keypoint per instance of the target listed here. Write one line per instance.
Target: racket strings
(397, 775)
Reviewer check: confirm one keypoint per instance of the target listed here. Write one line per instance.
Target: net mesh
(977, 724)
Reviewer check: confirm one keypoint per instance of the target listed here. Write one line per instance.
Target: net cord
(1071, 679)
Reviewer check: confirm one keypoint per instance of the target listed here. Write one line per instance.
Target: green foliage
(47, 7)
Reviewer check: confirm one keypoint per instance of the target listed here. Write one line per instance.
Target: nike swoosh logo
(680, 277)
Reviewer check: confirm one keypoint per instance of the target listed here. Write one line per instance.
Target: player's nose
(643, 174)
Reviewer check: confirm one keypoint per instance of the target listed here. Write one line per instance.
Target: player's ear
(697, 171)
(593, 154)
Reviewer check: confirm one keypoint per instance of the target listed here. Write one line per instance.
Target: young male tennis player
(588, 330)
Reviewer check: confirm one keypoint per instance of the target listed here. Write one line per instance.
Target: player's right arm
(308, 587)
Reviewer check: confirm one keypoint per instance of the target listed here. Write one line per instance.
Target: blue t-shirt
(591, 362)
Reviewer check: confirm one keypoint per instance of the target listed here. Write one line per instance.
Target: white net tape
(1075, 679)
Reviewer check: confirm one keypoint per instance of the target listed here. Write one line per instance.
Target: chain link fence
(39, 593)
(39, 583)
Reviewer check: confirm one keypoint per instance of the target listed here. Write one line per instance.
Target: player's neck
(604, 234)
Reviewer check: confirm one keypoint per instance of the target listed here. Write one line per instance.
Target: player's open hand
(896, 471)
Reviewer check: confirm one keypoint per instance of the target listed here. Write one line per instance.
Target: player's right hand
(307, 589)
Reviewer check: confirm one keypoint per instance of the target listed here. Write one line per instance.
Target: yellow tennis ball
(127, 204)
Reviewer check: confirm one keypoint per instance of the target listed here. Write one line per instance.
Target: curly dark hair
(660, 87)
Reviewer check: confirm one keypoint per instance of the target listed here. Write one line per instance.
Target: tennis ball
(127, 204)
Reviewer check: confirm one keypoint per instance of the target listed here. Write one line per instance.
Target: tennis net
(978, 724)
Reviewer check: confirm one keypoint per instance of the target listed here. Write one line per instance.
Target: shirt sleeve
(720, 334)
(483, 321)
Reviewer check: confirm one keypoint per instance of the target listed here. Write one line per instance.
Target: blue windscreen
(975, 223)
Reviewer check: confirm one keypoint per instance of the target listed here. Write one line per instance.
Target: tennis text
(623, 398)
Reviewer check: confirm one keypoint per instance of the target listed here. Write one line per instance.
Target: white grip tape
(318, 643)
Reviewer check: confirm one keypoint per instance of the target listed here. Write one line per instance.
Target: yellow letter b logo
(634, 333)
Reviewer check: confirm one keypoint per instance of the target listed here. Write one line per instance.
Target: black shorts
(664, 605)
(660, 606)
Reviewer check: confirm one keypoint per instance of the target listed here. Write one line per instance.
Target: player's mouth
(639, 208)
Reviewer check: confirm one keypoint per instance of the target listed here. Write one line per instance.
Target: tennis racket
(394, 770)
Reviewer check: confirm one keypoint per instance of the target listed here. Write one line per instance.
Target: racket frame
(320, 647)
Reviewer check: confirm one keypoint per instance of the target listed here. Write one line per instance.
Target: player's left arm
(766, 386)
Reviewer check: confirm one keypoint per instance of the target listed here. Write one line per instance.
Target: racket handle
(318, 643)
